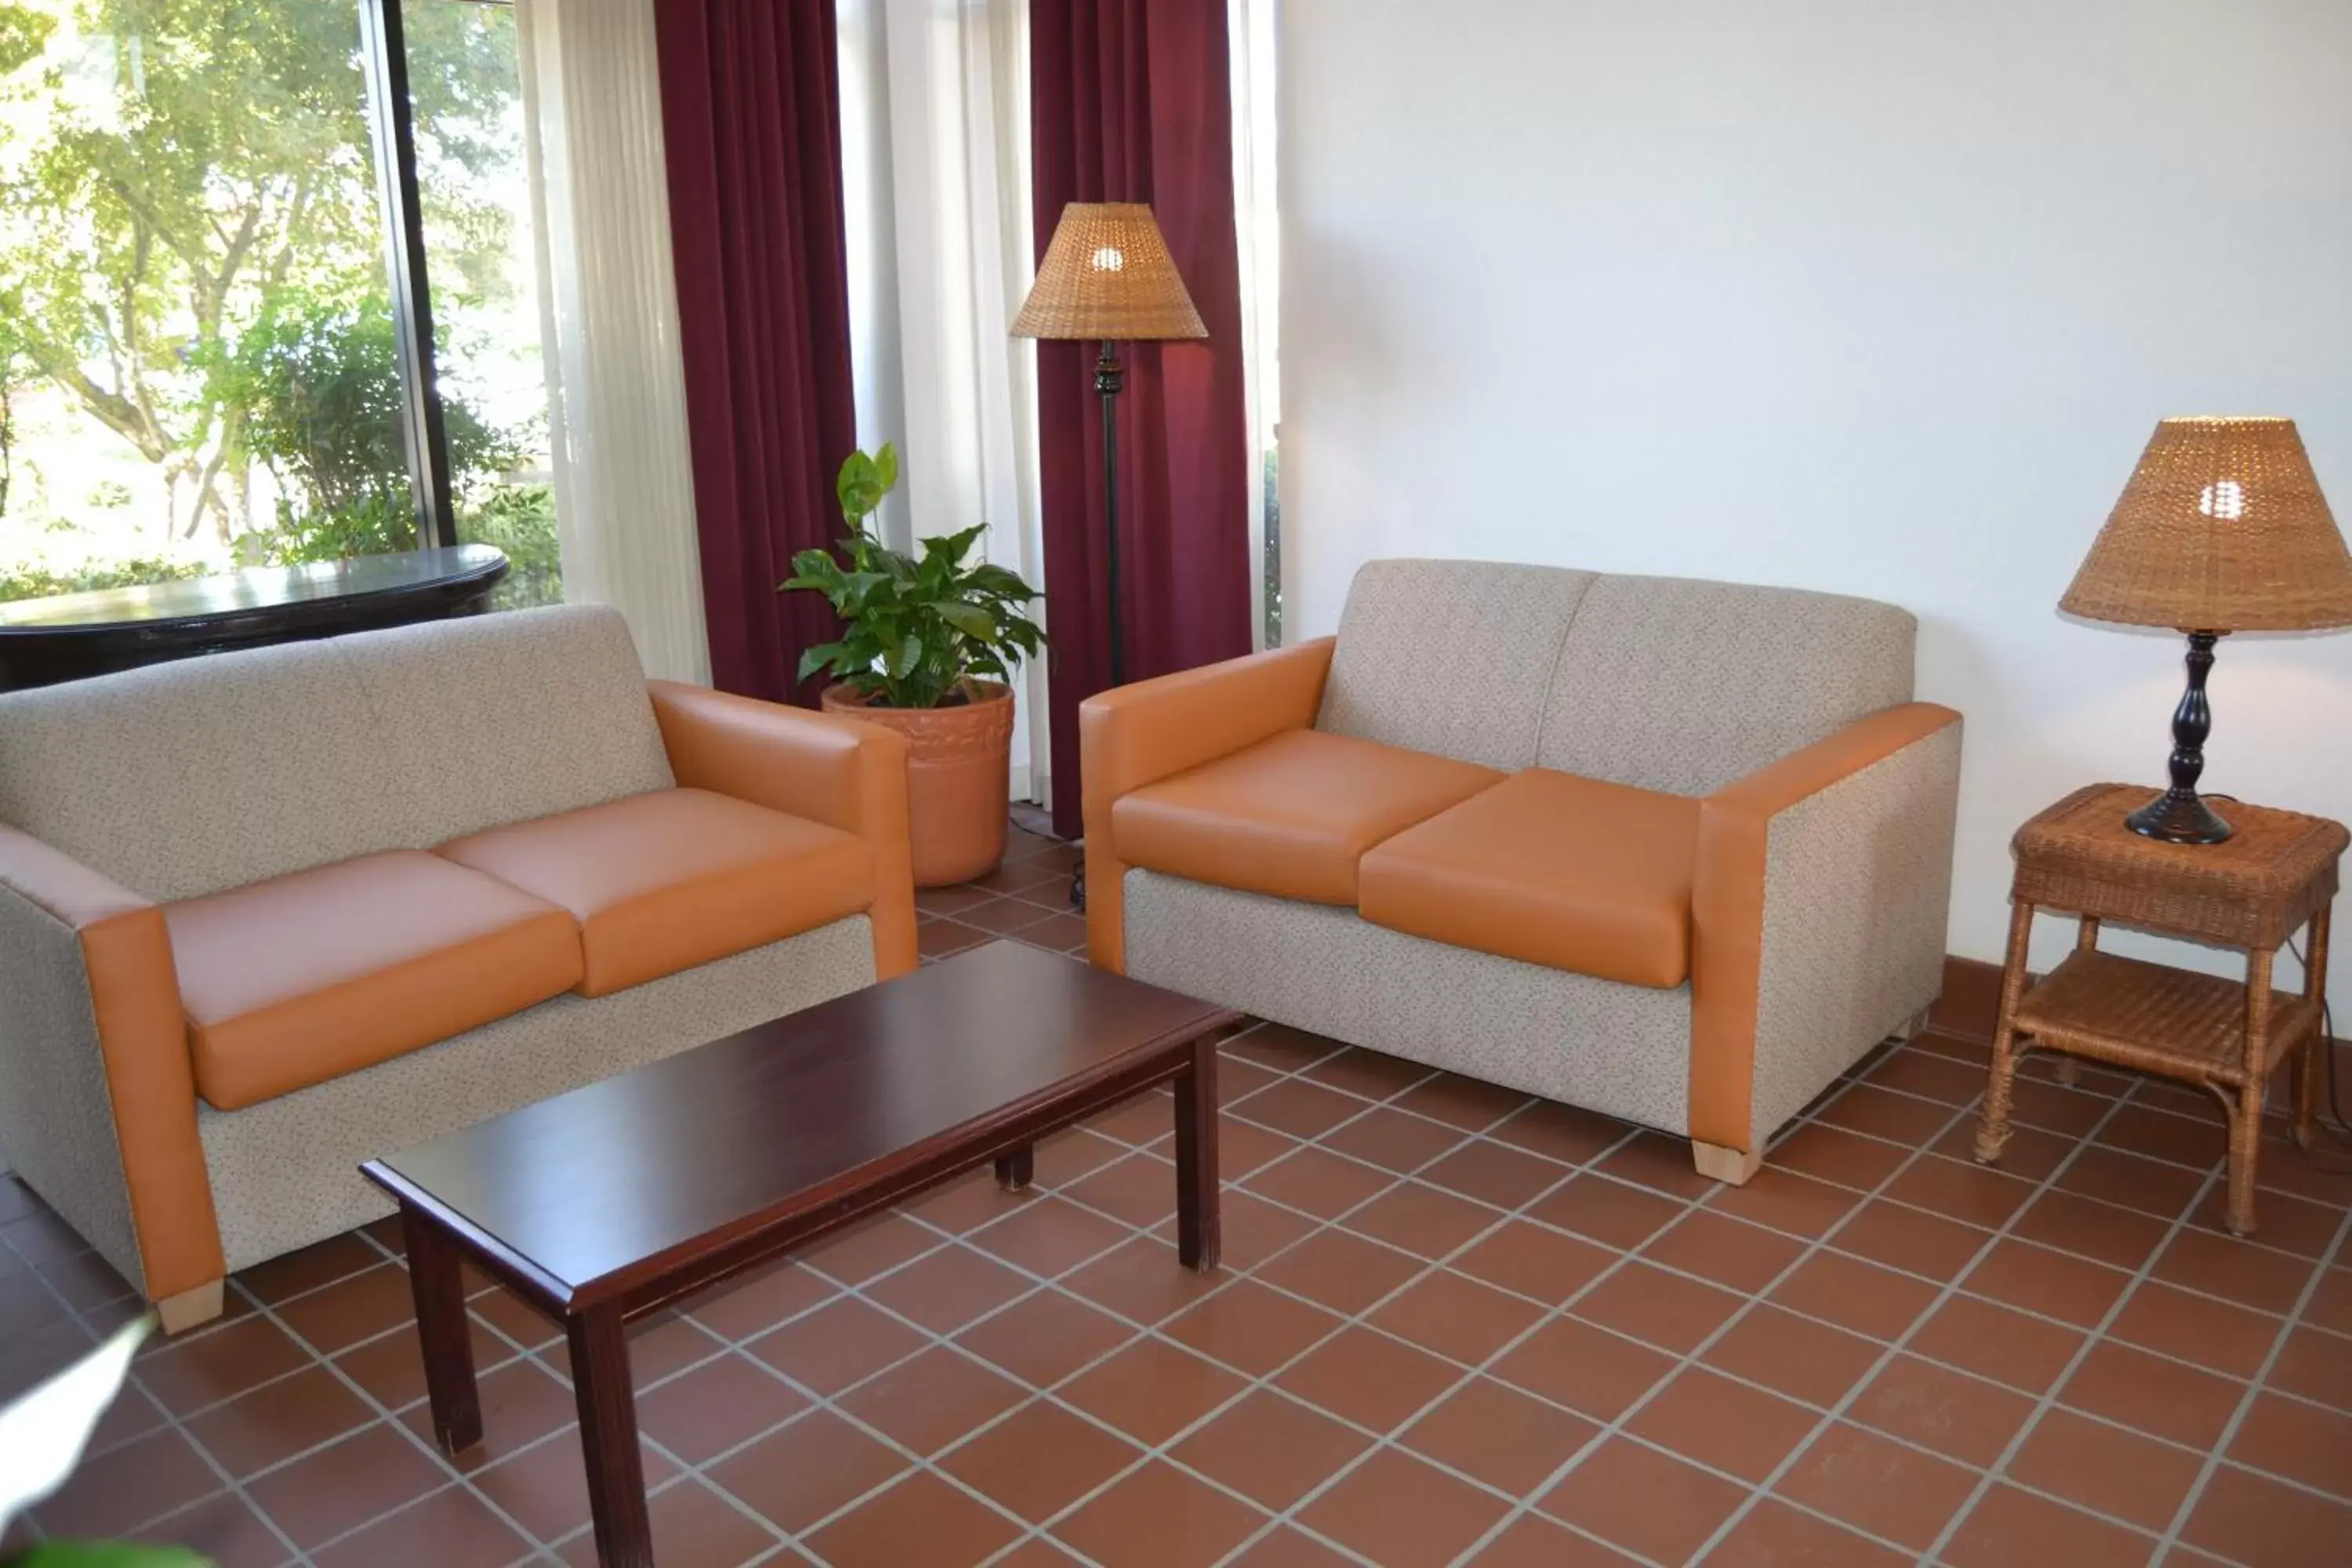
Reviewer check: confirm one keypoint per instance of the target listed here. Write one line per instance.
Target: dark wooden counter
(44, 641)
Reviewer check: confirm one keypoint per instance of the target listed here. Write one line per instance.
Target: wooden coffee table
(607, 1203)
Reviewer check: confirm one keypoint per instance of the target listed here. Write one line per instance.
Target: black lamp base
(2179, 818)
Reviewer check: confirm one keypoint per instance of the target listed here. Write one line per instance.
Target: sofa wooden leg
(191, 1308)
(1722, 1164)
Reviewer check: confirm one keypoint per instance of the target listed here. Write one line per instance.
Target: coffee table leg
(608, 1438)
(441, 1327)
(1016, 1170)
(1198, 1235)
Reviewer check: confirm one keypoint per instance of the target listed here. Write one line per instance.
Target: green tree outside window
(192, 259)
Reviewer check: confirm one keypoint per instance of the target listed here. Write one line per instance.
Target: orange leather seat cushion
(662, 882)
(1290, 815)
(306, 977)
(1551, 869)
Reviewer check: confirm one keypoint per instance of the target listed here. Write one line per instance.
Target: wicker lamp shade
(2221, 527)
(1108, 274)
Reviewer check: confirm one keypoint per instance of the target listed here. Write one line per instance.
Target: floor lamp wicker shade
(1108, 274)
(2221, 529)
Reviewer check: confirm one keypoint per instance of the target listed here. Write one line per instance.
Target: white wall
(1882, 298)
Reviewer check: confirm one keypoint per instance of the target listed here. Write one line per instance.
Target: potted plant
(927, 647)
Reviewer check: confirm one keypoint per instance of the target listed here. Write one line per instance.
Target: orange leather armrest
(828, 769)
(1728, 905)
(1137, 735)
(142, 1040)
(1140, 734)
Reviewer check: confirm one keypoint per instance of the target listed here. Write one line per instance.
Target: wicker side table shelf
(2277, 874)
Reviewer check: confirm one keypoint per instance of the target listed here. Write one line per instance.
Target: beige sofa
(266, 915)
(1677, 851)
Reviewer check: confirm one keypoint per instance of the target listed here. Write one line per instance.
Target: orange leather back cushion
(1290, 815)
(305, 977)
(1550, 869)
(662, 882)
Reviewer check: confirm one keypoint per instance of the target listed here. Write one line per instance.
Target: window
(209, 355)
(466, 83)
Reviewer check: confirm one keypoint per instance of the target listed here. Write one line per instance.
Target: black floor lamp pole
(1108, 380)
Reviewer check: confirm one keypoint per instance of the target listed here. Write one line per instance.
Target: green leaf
(1003, 584)
(971, 620)
(106, 1554)
(914, 625)
(855, 487)
(906, 657)
(960, 544)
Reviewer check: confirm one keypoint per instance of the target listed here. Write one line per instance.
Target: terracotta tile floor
(1455, 1324)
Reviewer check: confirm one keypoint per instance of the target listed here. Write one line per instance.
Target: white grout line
(2098, 1334)
(1371, 1197)
(1902, 1342)
(384, 1417)
(1619, 1425)
(1393, 1182)
(1317, 1224)
(2254, 1391)
(1273, 1162)
(171, 1422)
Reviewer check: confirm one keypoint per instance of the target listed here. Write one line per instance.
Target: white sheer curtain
(1250, 32)
(935, 133)
(616, 397)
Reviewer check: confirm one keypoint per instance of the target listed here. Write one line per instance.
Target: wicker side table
(2277, 873)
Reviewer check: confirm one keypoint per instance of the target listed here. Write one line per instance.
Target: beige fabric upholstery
(547, 709)
(1621, 1049)
(286, 1172)
(1669, 684)
(184, 779)
(1450, 656)
(1857, 883)
(57, 1117)
(1659, 684)
(189, 778)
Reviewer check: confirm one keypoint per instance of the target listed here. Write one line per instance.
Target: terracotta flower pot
(959, 763)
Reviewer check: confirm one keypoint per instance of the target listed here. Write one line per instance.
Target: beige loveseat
(266, 915)
(1677, 851)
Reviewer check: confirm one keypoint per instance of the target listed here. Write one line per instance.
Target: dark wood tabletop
(601, 1205)
(597, 1190)
(73, 636)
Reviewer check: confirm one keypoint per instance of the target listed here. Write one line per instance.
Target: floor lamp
(1107, 278)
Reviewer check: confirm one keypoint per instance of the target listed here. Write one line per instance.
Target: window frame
(384, 58)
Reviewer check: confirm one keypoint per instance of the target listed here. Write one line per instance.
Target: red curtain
(1130, 100)
(751, 117)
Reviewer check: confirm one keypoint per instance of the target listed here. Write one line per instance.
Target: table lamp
(2223, 529)
(1107, 275)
